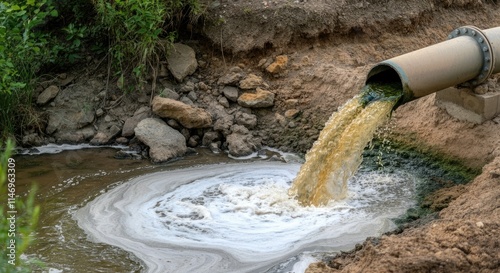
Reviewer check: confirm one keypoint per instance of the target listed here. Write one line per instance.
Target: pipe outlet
(468, 58)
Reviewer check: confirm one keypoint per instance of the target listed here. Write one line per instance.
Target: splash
(337, 154)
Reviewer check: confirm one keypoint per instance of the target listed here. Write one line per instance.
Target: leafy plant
(16, 229)
(23, 51)
(140, 31)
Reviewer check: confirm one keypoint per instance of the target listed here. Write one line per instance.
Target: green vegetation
(15, 228)
(43, 36)
(141, 32)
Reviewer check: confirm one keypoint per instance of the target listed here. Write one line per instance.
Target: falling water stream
(211, 213)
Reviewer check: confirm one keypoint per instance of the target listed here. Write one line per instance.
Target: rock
(68, 120)
(99, 112)
(247, 120)
(193, 141)
(279, 65)
(181, 61)
(280, 119)
(241, 142)
(203, 86)
(163, 141)
(261, 98)
(210, 137)
(224, 102)
(131, 123)
(188, 87)
(188, 116)
(215, 147)
(192, 96)
(187, 101)
(231, 93)
(231, 79)
(129, 126)
(105, 136)
(122, 140)
(170, 94)
(481, 89)
(252, 81)
(32, 140)
(238, 145)
(223, 124)
(292, 113)
(47, 94)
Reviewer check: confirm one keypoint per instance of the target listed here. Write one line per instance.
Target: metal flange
(486, 50)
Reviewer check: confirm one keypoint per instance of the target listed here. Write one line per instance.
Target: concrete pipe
(469, 57)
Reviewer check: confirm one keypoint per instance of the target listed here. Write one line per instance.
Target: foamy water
(238, 217)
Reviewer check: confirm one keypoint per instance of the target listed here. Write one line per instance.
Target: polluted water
(262, 216)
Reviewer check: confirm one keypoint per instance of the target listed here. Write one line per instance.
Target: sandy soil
(331, 45)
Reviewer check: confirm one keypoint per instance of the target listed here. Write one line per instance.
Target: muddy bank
(311, 57)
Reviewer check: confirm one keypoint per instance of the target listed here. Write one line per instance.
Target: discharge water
(336, 155)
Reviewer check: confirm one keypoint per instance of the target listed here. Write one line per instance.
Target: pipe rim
(486, 49)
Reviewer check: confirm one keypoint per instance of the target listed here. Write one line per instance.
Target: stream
(203, 213)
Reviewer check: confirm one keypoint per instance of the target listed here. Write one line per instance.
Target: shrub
(140, 31)
(15, 241)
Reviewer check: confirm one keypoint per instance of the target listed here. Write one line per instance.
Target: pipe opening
(383, 83)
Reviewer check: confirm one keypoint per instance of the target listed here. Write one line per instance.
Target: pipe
(468, 58)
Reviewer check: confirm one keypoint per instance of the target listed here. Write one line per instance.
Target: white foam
(236, 217)
(55, 148)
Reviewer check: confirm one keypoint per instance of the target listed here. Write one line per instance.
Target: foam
(237, 217)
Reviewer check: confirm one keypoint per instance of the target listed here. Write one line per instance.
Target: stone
(292, 113)
(209, 137)
(131, 122)
(279, 65)
(122, 140)
(241, 142)
(193, 141)
(251, 81)
(260, 99)
(99, 112)
(247, 120)
(223, 124)
(32, 140)
(188, 87)
(68, 119)
(187, 115)
(224, 102)
(170, 94)
(231, 93)
(181, 61)
(215, 147)
(48, 94)
(105, 136)
(192, 96)
(230, 79)
(164, 142)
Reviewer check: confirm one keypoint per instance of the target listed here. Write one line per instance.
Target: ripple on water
(237, 217)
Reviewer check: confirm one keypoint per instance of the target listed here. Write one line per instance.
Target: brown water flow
(337, 153)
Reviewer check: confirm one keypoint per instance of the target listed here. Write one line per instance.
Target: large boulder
(164, 142)
(187, 115)
(181, 61)
(261, 98)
